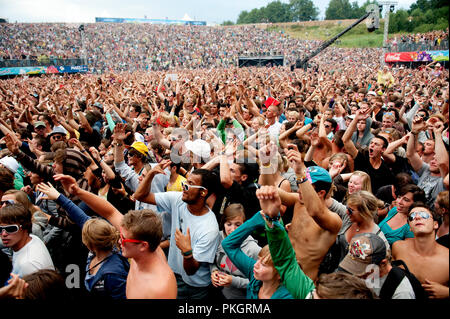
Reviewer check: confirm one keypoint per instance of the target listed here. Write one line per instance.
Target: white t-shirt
(204, 232)
(274, 129)
(32, 257)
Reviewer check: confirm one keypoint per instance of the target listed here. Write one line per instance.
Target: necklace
(100, 262)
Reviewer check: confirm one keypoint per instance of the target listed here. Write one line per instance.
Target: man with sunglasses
(57, 135)
(194, 234)
(29, 252)
(425, 258)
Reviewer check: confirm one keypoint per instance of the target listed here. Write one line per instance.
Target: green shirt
(283, 256)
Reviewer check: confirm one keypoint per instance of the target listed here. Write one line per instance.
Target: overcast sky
(211, 11)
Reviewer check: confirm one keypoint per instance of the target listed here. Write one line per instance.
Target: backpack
(394, 278)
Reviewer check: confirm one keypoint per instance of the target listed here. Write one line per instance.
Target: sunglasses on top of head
(7, 202)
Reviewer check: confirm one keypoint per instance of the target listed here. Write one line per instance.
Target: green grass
(358, 37)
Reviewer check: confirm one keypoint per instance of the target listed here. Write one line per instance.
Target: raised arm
(440, 151)
(411, 153)
(314, 205)
(347, 137)
(98, 204)
(143, 192)
(281, 250)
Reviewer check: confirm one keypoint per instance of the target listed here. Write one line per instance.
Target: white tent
(187, 17)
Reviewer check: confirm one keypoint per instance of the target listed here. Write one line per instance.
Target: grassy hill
(323, 30)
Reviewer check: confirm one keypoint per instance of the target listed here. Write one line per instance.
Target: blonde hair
(366, 204)
(338, 156)
(266, 257)
(366, 184)
(99, 234)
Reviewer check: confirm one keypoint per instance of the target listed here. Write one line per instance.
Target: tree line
(422, 16)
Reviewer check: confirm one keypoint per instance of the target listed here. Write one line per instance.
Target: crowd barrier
(43, 70)
(417, 56)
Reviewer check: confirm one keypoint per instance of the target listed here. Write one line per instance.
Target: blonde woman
(357, 181)
(106, 268)
(358, 216)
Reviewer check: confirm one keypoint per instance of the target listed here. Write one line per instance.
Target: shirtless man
(425, 258)
(314, 228)
(150, 276)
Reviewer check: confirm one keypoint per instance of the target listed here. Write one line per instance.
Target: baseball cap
(317, 173)
(58, 130)
(364, 249)
(39, 123)
(351, 116)
(10, 163)
(372, 93)
(140, 147)
(271, 101)
(199, 147)
(98, 105)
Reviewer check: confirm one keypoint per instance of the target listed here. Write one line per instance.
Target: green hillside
(323, 30)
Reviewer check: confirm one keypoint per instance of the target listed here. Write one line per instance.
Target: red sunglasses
(126, 240)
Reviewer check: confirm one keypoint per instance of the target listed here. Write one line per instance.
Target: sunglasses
(7, 202)
(186, 186)
(350, 211)
(127, 240)
(57, 137)
(132, 154)
(327, 126)
(10, 229)
(421, 214)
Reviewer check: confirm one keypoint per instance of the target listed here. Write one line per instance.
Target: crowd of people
(222, 182)
(433, 40)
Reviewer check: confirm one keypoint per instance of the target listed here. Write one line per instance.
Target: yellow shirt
(176, 186)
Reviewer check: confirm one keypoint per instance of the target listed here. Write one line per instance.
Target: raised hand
(418, 124)
(295, 158)
(269, 200)
(48, 189)
(119, 133)
(68, 182)
(95, 153)
(11, 143)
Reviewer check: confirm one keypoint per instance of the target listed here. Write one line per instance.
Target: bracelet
(187, 253)
(118, 144)
(272, 219)
(302, 180)
(83, 151)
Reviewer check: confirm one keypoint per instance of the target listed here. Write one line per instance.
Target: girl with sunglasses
(358, 216)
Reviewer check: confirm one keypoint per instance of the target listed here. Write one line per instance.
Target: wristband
(272, 219)
(187, 253)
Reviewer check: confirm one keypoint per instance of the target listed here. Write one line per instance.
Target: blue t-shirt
(392, 235)
(204, 232)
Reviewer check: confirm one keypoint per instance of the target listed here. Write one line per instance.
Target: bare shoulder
(399, 246)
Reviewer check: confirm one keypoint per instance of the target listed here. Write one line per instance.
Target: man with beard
(194, 231)
(369, 160)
